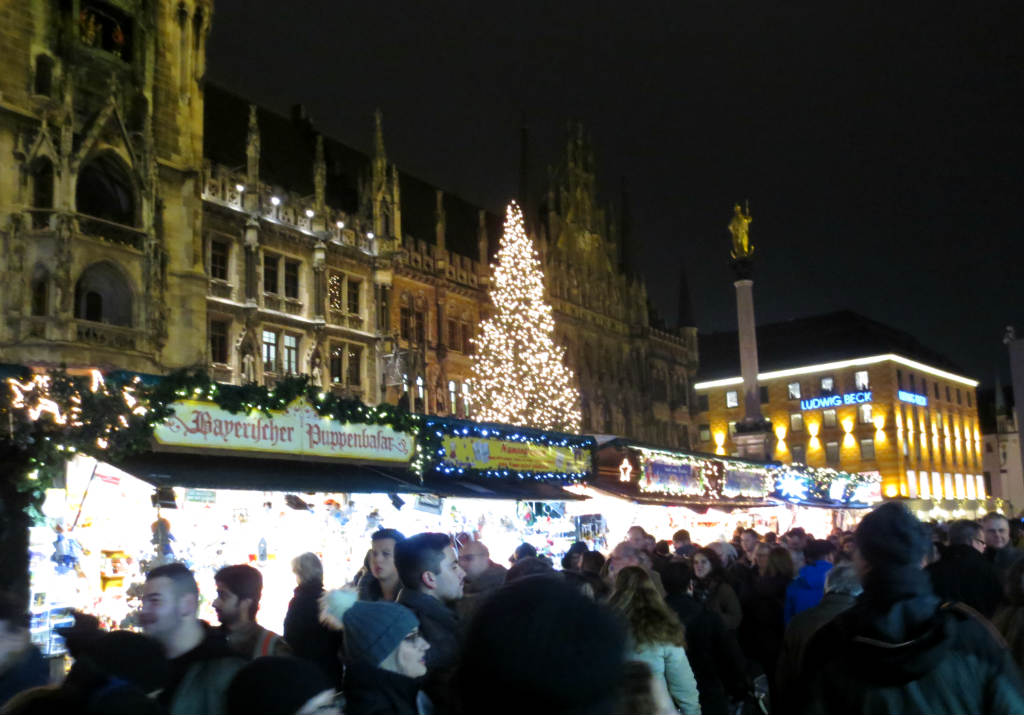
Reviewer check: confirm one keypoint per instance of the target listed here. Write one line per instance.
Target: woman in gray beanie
(385, 654)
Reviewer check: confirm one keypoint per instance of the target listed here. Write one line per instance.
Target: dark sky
(879, 144)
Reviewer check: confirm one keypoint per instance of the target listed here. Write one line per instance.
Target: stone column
(748, 349)
(252, 245)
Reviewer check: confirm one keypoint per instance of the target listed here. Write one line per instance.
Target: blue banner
(670, 478)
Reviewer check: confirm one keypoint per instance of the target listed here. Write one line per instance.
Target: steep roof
(842, 335)
(287, 151)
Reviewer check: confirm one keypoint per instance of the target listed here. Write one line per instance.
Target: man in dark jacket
(998, 550)
(898, 649)
(842, 586)
(200, 663)
(963, 574)
(482, 574)
(309, 638)
(431, 583)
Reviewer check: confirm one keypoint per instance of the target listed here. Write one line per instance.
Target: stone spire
(319, 175)
(440, 221)
(252, 149)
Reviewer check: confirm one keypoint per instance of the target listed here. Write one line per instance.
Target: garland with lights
(52, 417)
(801, 483)
(518, 374)
(435, 429)
(708, 473)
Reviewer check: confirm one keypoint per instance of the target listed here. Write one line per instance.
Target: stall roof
(520, 490)
(621, 443)
(698, 504)
(223, 472)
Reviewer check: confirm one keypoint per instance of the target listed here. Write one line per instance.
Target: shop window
(42, 192)
(40, 292)
(355, 365)
(219, 341)
(764, 395)
(832, 453)
(702, 403)
(219, 260)
(864, 414)
(861, 380)
(353, 296)
(291, 279)
(796, 422)
(270, 273)
(828, 384)
(102, 295)
(104, 190)
(867, 449)
(43, 82)
(269, 351)
(732, 399)
(290, 354)
(704, 433)
(799, 453)
(793, 389)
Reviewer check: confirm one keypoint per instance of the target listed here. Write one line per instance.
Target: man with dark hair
(899, 649)
(681, 543)
(239, 589)
(743, 571)
(809, 586)
(382, 583)
(431, 582)
(963, 574)
(998, 550)
(21, 664)
(201, 665)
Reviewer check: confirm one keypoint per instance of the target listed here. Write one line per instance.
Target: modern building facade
(846, 392)
(150, 221)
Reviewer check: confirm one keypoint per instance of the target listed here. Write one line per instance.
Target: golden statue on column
(739, 227)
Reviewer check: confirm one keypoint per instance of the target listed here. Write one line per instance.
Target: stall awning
(697, 504)
(519, 490)
(264, 474)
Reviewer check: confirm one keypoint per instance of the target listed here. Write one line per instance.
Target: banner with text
(498, 454)
(298, 430)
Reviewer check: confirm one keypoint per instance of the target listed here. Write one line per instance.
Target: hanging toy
(66, 552)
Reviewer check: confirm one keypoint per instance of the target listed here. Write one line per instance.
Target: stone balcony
(104, 335)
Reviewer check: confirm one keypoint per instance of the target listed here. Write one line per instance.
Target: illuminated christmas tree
(518, 374)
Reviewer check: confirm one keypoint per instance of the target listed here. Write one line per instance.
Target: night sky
(879, 144)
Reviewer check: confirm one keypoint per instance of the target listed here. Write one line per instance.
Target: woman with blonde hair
(657, 635)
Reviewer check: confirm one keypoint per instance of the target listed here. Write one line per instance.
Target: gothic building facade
(151, 221)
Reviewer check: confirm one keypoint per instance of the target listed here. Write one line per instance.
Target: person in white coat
(658, 637)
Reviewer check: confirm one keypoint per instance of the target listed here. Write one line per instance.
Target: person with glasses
(386, 656)
(963, 574)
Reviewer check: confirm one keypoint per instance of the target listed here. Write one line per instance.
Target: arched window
(104, 190)
(40, 292)
(102, 295)
(42, 191)
(43, 84)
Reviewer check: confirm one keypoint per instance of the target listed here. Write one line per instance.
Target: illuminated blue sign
(826, 401)
(913, 398)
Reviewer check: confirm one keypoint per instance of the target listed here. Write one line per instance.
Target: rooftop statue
(739, 227)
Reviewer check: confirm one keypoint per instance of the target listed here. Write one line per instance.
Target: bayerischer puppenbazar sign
(296, 431)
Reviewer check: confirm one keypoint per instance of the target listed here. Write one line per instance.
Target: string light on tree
(518, 372)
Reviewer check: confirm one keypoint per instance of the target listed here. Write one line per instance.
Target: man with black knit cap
(899, 650)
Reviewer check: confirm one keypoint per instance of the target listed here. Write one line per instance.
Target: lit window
(981, 491)
(828, 384)
(732, 428)
(796, 422)
(269, 351)
(453, 396)
(353, 297)
(828, 418)
(291, 354)
(948, 482)
(911, 484)
(704, 433)
(867, 449)
(832, 453)
(799, 453)
(419, 387)
(337, 364)
(794, 390)
(732, 399)
(864, 414)
(861, 380)
(467, 399)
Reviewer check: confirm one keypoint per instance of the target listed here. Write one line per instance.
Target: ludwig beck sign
(296, 431)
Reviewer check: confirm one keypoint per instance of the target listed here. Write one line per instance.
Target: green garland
(115, 418)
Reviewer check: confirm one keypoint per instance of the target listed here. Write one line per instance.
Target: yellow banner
(298, 430)
(482, 453)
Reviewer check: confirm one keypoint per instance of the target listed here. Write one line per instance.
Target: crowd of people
(895, 617)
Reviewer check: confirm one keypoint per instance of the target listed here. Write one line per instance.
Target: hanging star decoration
(625, 470)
